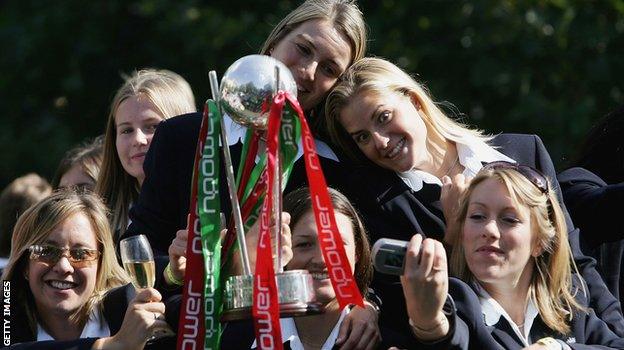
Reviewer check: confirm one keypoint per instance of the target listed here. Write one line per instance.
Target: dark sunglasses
(49, 254)
(535, 176)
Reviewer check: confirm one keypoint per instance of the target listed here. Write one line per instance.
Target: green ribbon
(209, 207)
(290, 133)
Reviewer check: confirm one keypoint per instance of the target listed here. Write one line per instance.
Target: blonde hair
(343, 14)
(36, 224)
(379, 76)
(171, 95)
(551, 281)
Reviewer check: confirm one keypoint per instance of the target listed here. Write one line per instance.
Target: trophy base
(286, 310)
(296, 296)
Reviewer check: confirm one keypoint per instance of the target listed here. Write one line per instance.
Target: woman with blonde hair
(417, 160)
(146, 98)
(517, 284)
(62, 274)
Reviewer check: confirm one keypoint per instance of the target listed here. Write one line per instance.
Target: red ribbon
(265, 306)
(332, 246)
(265, 294)
(191, 328)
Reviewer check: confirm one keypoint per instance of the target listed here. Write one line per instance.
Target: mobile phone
(389, 256)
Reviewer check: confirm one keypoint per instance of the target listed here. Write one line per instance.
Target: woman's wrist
(436, 329)
(108, 343)
(170, 277)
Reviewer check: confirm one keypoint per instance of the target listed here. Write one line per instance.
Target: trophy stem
(277, 195)
(238, 220)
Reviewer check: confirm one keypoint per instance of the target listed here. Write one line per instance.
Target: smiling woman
(63, 272)
(141, 103)
(318, 331)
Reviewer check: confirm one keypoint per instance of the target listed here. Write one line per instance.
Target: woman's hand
(359, 329)
(425, 285)
(452, 190)
(251, 238)
(177, 256)
(144, 316)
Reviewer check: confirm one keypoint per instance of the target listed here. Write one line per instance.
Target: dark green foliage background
(546, 67)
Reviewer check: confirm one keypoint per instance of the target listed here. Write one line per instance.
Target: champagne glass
(138, 261)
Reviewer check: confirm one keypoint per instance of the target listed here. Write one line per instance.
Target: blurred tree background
(550, 67)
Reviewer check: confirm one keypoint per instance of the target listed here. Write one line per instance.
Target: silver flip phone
(389, 256)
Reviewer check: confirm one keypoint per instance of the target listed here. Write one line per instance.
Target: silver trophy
(246, 93)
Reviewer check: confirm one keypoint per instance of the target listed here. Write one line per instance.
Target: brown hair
(18, 196)
(87, 155)
(298, 202)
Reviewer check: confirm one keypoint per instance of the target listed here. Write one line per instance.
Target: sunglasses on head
(49, 254)
(535, 176)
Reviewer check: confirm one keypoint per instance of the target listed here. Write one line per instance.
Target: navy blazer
(163, 203)
(469, 331)
(391, 209)
(114, 307)
(595, 207)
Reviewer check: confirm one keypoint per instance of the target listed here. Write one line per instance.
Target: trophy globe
(248, 87)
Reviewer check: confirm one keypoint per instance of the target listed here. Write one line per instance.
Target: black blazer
(469, 331)
(115, 303)
(595, 207)
(391, 209)
(163, 203)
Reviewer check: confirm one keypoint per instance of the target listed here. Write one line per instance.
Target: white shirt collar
(236, 133)
(94, 328)
(492, 312)
(289, 333)
(471, 155)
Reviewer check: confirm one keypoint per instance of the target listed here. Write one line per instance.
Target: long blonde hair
(551, 281)
(379, 76)
(36, 224)
(171, 95)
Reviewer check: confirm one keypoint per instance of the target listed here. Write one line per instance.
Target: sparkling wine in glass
(138, 261)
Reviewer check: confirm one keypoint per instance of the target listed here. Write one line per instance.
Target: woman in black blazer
(516, 285)
(408, 147)
(593, 190)
(59, 280)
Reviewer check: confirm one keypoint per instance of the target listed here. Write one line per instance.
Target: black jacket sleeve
(594, 205)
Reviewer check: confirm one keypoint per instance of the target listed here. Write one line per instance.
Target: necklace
(452, 166)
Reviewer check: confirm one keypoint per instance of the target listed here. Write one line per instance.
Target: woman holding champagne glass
(67, 289)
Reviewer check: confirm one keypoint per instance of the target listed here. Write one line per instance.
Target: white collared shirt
(289, 333)
(94, 328)
(236, 133)
(493, 311)
(471, 155)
